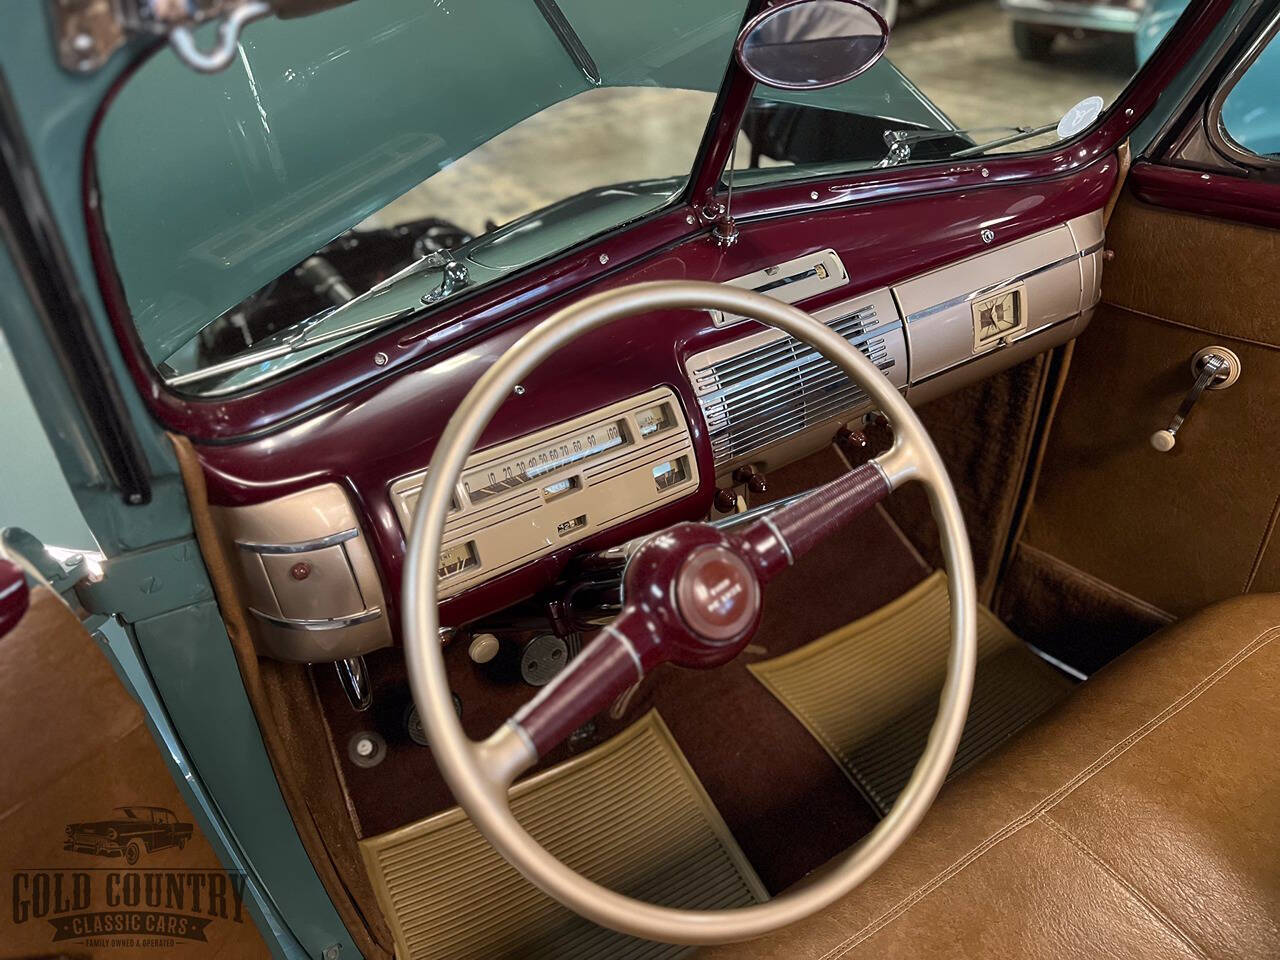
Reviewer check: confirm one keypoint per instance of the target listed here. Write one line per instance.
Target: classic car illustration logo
(134, 903)
(137, 829)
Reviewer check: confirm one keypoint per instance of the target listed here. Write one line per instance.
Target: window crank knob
(1163, 440)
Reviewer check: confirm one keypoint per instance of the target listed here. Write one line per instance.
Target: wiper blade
(1074, 121)
(301, 342)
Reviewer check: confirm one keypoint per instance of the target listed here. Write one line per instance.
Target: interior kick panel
(925, 265)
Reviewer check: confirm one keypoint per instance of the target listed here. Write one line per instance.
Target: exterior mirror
(810, 44)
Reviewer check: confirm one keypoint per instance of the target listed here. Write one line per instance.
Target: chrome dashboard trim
(364, 616)
(306, 546)
(993, 287)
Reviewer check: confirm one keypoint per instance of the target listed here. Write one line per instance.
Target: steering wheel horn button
(717, 593)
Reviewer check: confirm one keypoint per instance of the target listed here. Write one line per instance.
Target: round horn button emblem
(717, 593)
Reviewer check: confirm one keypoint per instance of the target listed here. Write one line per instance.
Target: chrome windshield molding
(306, 546)
(1215, 129)
(1079, 16)
(1001, 284)
(364, 616)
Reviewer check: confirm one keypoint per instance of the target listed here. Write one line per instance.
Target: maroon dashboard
(364, 441)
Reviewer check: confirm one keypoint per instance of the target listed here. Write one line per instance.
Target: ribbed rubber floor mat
(629, 814)
(869, 691)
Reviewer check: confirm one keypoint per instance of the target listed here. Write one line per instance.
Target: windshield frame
(434, 316)
(319, 386)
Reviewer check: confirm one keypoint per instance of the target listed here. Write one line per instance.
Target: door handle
(1215, 368)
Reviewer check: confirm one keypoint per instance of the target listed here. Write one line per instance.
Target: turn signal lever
(1215, 368)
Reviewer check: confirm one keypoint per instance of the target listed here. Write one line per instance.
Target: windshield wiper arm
(1023, 133)
(569, 39)
(900, 142)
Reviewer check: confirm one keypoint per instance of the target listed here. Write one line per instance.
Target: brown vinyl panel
(1216, 276)
(1180, 529)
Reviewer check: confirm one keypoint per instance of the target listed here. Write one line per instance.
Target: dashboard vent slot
(772, 391)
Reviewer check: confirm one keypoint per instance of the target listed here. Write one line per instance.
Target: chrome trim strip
(523, 734)
(364, 616)
(610, 629)
(992, 287)
(305, 546)
(782, 541)
(1004, 346)
(1215, 129)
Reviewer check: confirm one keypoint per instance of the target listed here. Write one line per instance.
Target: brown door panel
(1181, 529)
(77, 748)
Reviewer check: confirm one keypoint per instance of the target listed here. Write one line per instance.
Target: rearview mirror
(811, 44)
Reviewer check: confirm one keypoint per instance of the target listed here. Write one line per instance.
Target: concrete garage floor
(960, 55)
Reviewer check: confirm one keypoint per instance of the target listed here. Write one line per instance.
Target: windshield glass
(357, 166)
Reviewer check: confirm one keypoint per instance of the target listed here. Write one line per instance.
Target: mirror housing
(811, 44)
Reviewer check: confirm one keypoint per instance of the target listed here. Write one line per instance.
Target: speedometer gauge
(531, 465)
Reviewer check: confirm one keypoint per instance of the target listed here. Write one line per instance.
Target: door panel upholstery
(1150, 533)
(77, 747)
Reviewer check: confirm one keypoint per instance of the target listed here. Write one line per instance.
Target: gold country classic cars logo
(111, 896)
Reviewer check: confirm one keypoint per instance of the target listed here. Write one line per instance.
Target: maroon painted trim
(329, 383)
(1207, 193)
(618, 657)
(15, 597)
(780, 539)
(1118, 121)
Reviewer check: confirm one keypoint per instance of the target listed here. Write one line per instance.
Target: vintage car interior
(851, 533)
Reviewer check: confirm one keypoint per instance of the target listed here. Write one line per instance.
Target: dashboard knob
(484, 647)
(752, 477)
(726, 501)
(854, 445)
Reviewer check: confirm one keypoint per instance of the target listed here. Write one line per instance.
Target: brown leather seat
(1139, 820)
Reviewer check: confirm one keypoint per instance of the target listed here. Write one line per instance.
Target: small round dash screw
(300, 570)
(813, 194)
(518, 390)
(604, 258)
(381, 359)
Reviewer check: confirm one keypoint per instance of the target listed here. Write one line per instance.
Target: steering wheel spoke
(617, 657)
(783, 536)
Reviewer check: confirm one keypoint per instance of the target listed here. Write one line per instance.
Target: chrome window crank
(1216, 368)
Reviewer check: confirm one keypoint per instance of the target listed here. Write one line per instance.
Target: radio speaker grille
(777, 389)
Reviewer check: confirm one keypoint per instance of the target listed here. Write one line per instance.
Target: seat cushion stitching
(1052, 799)
(1173, 929)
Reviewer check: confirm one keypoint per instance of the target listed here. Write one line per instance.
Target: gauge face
(506, 475)
(997, 316)
(456, 558)
(655, 419)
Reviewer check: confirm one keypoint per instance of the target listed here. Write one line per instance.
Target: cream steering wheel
(705, 611)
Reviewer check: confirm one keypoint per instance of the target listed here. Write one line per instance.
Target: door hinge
(87, 32)
(134, 586)
(146, 583)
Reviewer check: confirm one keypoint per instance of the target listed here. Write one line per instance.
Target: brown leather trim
(1057, 796)
(295, 735)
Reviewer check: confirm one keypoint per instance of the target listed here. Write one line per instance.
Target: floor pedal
(869, 691)
(629, 814)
